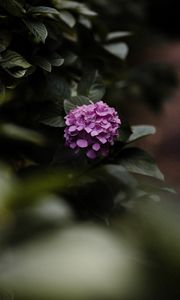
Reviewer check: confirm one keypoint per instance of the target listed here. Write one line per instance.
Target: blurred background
(154, 59)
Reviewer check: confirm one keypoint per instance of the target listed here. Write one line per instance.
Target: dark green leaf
(121, 173)
(43, 63)
(56, 60)
(74, 102)
(38, 29)
(80, 100)
(57, 88)
(17, 74)
(53, 117)
(124, 132)
(2, 92)
(138, 161)
(68, 105)
(11, 59)
(92, 86)
(5, 39)
(54, 121)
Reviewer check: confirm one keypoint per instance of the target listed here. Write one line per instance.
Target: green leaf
(43, 63)
(17, 74)
(121, 173)
(53, 121)
(21, 134)
(80, 100)
(14, 64)
(38, 29)
(138, 161)
(57, 88)
(50, 12)
(68, 105)
(118, 49)
(13, 7)
(140, 131)
(124, 131)
(74, 102)
(92, 86)
(11, 59)
(56, 60)
(53, 117)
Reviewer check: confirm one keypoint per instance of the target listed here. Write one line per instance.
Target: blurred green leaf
(13, 7)
(45, 11)
(140, 131)
(81, 8)
(117, 35)
(70, 264)
(67, 18)
(18, 133)
(118, 49)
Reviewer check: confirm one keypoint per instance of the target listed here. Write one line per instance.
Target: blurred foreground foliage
(70, 228)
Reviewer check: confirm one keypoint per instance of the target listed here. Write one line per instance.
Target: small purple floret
(93, 128)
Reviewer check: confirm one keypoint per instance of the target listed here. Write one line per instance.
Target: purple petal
(106, 126)
(82, 143)
(91, 154)
(102, 113)
(72, 128)
(92, 125)
(88, 129)
(73, 145)
(102, 139)
(96, 147)
(94, 133)
(79, 128)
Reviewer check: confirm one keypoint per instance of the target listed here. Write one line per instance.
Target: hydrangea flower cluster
(92, 127)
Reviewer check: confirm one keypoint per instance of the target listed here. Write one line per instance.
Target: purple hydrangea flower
(93, 128)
